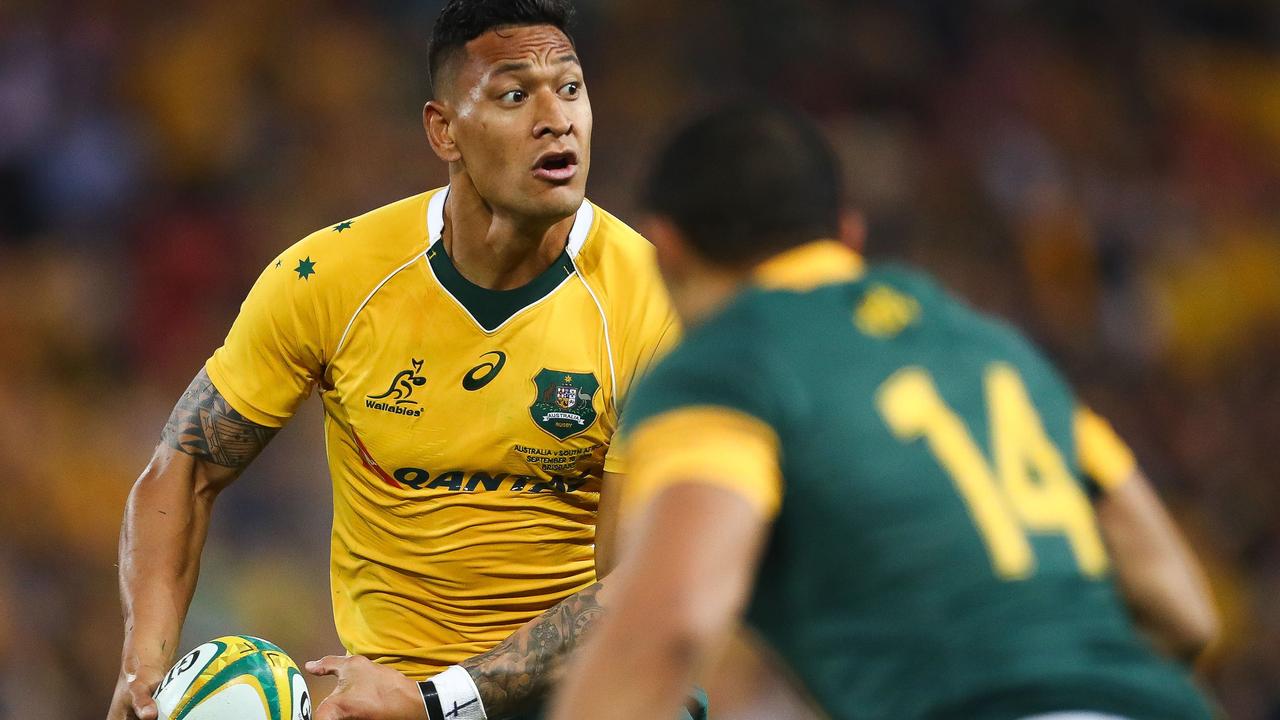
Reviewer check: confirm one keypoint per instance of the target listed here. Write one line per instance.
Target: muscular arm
(514, 676)
(511, 679)
(205, 428)
(518, 673)
(204, 446)
(1156, 571)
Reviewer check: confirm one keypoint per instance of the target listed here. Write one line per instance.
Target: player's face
(522, 121)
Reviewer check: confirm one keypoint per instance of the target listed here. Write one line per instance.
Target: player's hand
(132, 699)
(367, 691)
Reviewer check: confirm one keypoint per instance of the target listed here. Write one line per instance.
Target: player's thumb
(144, 706)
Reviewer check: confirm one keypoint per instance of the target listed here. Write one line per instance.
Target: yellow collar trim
(822, 262)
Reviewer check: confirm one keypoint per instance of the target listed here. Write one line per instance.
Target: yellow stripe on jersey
(1102, 454)
(808, 266)
(708, 445)
(466, 456)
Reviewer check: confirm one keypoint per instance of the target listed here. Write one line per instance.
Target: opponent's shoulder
(889, 294)
(741, 340)
(724, 362)
(953, 326)
(958, 318)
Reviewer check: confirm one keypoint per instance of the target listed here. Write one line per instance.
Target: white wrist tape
(457, 696)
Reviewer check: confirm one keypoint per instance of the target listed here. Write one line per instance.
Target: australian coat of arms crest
(565, 402)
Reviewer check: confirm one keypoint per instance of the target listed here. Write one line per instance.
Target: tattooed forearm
(205, 426)
(517, 674)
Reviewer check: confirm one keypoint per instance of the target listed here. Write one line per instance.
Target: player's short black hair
(746, 181)
(461, 21)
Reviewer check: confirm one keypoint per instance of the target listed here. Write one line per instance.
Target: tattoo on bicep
(516, 674)
(205, 426)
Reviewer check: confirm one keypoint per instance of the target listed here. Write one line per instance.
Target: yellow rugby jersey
(467, 430)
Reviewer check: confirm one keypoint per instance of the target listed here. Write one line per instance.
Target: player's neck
(495, 251)
(705, 292)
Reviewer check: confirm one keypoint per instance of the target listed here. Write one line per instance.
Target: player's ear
(673, 249)
(437, 121)
(853, 229)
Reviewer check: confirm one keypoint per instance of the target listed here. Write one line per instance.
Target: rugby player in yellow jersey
(471, 346)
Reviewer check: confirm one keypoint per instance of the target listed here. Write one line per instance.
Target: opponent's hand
(132, 699)
(367, 691)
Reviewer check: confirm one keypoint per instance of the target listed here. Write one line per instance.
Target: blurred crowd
(1106, 175)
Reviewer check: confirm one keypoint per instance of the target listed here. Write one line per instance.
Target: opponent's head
(739, 185)
(509, 107)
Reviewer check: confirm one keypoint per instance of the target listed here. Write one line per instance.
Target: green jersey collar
(491, 309)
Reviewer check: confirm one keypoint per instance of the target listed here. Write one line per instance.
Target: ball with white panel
(237, 677)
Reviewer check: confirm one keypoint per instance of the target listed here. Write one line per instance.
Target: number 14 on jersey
(1028, 487)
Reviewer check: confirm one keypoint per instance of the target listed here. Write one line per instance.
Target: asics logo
(482, 374)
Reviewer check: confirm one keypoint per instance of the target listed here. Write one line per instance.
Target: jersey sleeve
(711, 445)
(709, 414)
(1103, 456)
(273, 354)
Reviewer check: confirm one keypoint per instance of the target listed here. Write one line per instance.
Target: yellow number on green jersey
(1029, 487)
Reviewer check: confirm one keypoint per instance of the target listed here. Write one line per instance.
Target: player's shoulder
(615, 253)
(743, 336)
(352, 251)
(726, 361)
(952, 322)
(328, 273)
(956, 314)
(892, 291)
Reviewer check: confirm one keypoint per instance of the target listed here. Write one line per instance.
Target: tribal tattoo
(517, 674)
(204, 426)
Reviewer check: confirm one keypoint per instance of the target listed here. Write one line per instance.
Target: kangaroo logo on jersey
(400, 392)
(564, 404)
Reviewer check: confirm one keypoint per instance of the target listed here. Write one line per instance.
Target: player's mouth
(556, 167)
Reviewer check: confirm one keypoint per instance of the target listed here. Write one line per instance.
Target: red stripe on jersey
(367, 459)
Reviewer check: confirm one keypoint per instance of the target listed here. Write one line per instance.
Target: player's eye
(514, 96)
(571, 89)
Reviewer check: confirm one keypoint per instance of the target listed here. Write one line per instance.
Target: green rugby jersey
(934, 552)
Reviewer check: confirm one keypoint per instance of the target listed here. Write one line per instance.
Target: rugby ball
(237, 677)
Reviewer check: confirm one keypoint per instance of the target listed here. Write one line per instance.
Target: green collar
(492, 308)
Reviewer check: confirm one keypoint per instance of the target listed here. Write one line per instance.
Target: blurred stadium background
(1105, 174)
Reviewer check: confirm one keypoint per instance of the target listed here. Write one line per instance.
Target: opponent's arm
(1157, 573)
(205, 445)
(680, 589)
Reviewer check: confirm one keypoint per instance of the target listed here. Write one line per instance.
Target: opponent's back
(936, 553)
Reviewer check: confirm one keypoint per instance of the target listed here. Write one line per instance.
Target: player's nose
(552, 118)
